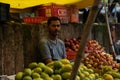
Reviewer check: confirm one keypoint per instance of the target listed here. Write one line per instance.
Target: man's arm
(44, 52)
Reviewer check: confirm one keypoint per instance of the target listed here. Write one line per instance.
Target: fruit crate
(71, 55)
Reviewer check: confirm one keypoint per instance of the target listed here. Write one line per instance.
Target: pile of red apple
(93, 45)
(97, 59)
(72, 46)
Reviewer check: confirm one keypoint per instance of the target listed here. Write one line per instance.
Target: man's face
(54, 28)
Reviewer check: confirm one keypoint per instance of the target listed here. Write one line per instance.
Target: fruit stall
(20, 42)
(87, 46)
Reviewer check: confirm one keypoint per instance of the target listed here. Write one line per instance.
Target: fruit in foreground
(27, 78)
(107, 77)
(35, 75)
(57, 77)
(27, 71)
(37, 79)
(65, 61)
(32, 65)
(66, 68)
(38, 70)
(57, 64)
(19, 76)
(66, 75)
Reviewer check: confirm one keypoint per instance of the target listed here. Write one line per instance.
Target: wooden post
(109, 33)
(86, 31)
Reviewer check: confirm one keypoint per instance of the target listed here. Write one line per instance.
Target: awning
(22, 4)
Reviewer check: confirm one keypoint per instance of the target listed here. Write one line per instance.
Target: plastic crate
(71, 55)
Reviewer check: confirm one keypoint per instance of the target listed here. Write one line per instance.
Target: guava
(27, 71)
(66, 68)
(32, 65)
(48, 70)
(57, 64)
(44, 75)
(66, 75)
(19, 76)
(57, 77)
(107, 77)
(35, 75)
(27, 78)
(41, 65)
(65, 61)
(50, 78)
(37, 79)
(37, 69)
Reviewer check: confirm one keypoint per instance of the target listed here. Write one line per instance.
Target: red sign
(54, 10)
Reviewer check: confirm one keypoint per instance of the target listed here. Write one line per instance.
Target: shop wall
(19, 44)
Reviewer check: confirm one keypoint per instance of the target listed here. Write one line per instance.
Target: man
(52, 48)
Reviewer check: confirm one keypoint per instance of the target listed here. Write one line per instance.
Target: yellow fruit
(37, 79)
(35, 75)
(57, 64)
(32, 65)
(19, 76)
(27, 78)
(41, 65)
(90, 70)
(57, 71)
(57, 77)
(107, 77)
(77, 77)
(92, 76)
(44, 75)
(66, 68)
(37, 69)
(48, 70)
(86, 73)
(49, 78)
(50, 64)
(27, 71)
(66, 75)
(65, 61)
(82, 76)
(86, 78)
(116, 79)
(84, 67)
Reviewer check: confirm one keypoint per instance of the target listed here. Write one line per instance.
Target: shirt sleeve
(63, 48)
(44, 49)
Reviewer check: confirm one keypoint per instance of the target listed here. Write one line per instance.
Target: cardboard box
(74, 14)
(53, 10)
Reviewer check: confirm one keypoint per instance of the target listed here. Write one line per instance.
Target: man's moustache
(56, 31)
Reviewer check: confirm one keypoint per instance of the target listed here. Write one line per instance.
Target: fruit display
(96, 65)
(108, 73)
(93, 45)
(96, 60)
(57, 70)
(72, 46)
(61, 70)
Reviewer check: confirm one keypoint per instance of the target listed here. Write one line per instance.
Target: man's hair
(53, 18)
